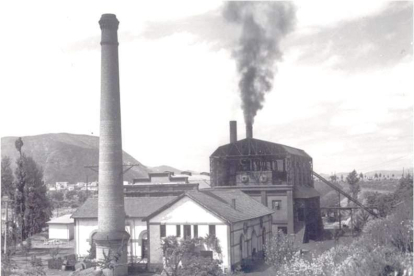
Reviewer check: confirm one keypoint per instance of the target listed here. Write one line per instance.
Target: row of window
(187, 230)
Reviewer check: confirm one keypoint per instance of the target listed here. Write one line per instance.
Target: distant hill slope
(63, 156)
(164, 168)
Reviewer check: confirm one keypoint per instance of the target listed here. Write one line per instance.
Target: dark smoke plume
(263, 26)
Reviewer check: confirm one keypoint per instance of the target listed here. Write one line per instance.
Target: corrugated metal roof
(137, 207)
(256, 147)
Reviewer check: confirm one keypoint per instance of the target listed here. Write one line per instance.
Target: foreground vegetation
(385, 246)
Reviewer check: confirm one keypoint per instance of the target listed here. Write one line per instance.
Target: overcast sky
(343, 91)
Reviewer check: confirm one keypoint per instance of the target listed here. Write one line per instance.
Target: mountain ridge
(63, 156)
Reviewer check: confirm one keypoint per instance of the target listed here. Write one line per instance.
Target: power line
(385, 162)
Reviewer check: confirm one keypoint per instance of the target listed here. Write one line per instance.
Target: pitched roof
(256, 147)
(219, 202)
(65, 219)
(137, 207)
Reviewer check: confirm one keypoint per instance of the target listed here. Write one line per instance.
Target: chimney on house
(233, 131)
(233, 203)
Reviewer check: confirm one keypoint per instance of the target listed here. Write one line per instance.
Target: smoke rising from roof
(263, 26)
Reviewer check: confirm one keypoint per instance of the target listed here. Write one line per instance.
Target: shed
(61, 228)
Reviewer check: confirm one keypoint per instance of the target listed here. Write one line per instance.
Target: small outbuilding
(61, 228)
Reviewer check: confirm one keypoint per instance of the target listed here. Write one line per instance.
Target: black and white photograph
(206, 138)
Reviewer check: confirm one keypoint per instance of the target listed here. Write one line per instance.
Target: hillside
(164, 168)
(63, 156)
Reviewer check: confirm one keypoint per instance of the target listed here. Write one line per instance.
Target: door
(144, 249)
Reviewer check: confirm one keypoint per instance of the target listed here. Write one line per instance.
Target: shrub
(92, 251)
(279, 250)
(390, 231)
(54, 252)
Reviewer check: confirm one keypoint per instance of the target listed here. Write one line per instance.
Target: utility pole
(6, 200)
(339, 210)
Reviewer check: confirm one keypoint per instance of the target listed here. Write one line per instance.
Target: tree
(361, 176)
(38, 207)
(333, 178)
(32, 207)
(70, 194)
(353, 180)
(7, 178)
(383, 203)
(342, 177)
(182, 259)
(57, 196)
(82, 197)
(376, 175)
(20, 198)
(280, 250)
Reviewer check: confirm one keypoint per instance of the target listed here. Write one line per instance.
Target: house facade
(241, 224)
(86, 225)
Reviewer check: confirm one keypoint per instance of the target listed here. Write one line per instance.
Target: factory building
(278, 176)
(166, 184)
(241, 225)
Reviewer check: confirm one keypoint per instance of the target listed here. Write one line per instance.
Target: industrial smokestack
(233, 131)
(111, 235)
(249, 130)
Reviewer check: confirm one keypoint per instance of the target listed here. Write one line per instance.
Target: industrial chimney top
(109, 21)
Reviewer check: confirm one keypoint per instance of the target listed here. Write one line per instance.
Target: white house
(61, 228)
(61, 185)
(241, 224)
(136, 208)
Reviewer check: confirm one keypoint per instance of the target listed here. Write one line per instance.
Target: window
(178, 231)
(163, 231)
(212, 230)
(195, 231)
(187, 231)
(276, 204)
(283, 229)
(280, 165)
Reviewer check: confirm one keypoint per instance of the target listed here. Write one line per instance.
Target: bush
(35, 261)
(54, 252)
(279, 250)
(391, 232)
(92, 251)
(349, 260)
(54, 263)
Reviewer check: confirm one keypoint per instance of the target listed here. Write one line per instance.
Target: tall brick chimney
(111, 235)
(233, 131)
(249, 130)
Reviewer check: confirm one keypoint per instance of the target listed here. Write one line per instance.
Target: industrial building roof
(137, 207)
(256, 147)
(219, 203)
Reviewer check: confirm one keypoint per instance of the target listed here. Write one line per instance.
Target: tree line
(27, 193)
